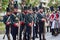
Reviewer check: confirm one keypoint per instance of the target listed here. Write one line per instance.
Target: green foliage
(36, 2)
(27, 2)
(50, 3)
(4, 4)
(55, 5)
(32, 2)
(2, 26)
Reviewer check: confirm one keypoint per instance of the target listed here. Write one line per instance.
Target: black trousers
(50, 27)
(21, 30)
(41, 30)
(14, 32)
(36, 29)
(7, 31)
(55, 31)
(34, 32)
(28, 32)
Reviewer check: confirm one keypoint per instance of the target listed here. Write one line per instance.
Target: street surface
(48, 37)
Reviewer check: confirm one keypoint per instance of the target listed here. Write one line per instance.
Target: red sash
(15, 25)
(22, 23)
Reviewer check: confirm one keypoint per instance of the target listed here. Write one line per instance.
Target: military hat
(28, 8)
(40, 7)
(36, 8)
(25, 8)
(8, 9)
(15, 2)
(58, 8)
(33, 8)
(52, 8)
(16, 6)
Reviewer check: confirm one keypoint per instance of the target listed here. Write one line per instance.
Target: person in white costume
(55, 22)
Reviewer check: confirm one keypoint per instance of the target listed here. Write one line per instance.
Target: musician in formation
(54, 18)
(31, 20)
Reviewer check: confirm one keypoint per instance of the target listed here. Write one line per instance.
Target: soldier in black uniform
(22, 22)
(25, 12)
(41, 20)
(35, 27)
(28, 23)
(15, 22)
(7, 22)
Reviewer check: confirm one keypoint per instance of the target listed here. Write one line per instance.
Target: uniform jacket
(39, 17)
(28, 18)
(21, 17)
(14, 19)
(6, 19)
(54, 16)
(34, 17)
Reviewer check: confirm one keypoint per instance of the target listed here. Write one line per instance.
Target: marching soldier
(7, 22)
(15, 22)
(41, 20)
(28, 23)
(51, 17)
(22, 22)
(59, 19)
(35, 28)
(55, 23)
(51, 20)
(25, 13)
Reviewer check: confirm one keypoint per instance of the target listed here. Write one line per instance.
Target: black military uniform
(14, 20)
(28, 23)
(35, 27)
(25, 12)
(7, 22)
(40, 20)
(35, 18)
(22, 23)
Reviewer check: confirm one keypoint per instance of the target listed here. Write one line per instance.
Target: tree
(33, 2)
(4, 4)
(51, 3)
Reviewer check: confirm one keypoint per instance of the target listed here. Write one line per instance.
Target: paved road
(48, 37)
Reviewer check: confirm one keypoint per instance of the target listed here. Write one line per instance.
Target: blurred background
(45, 3)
